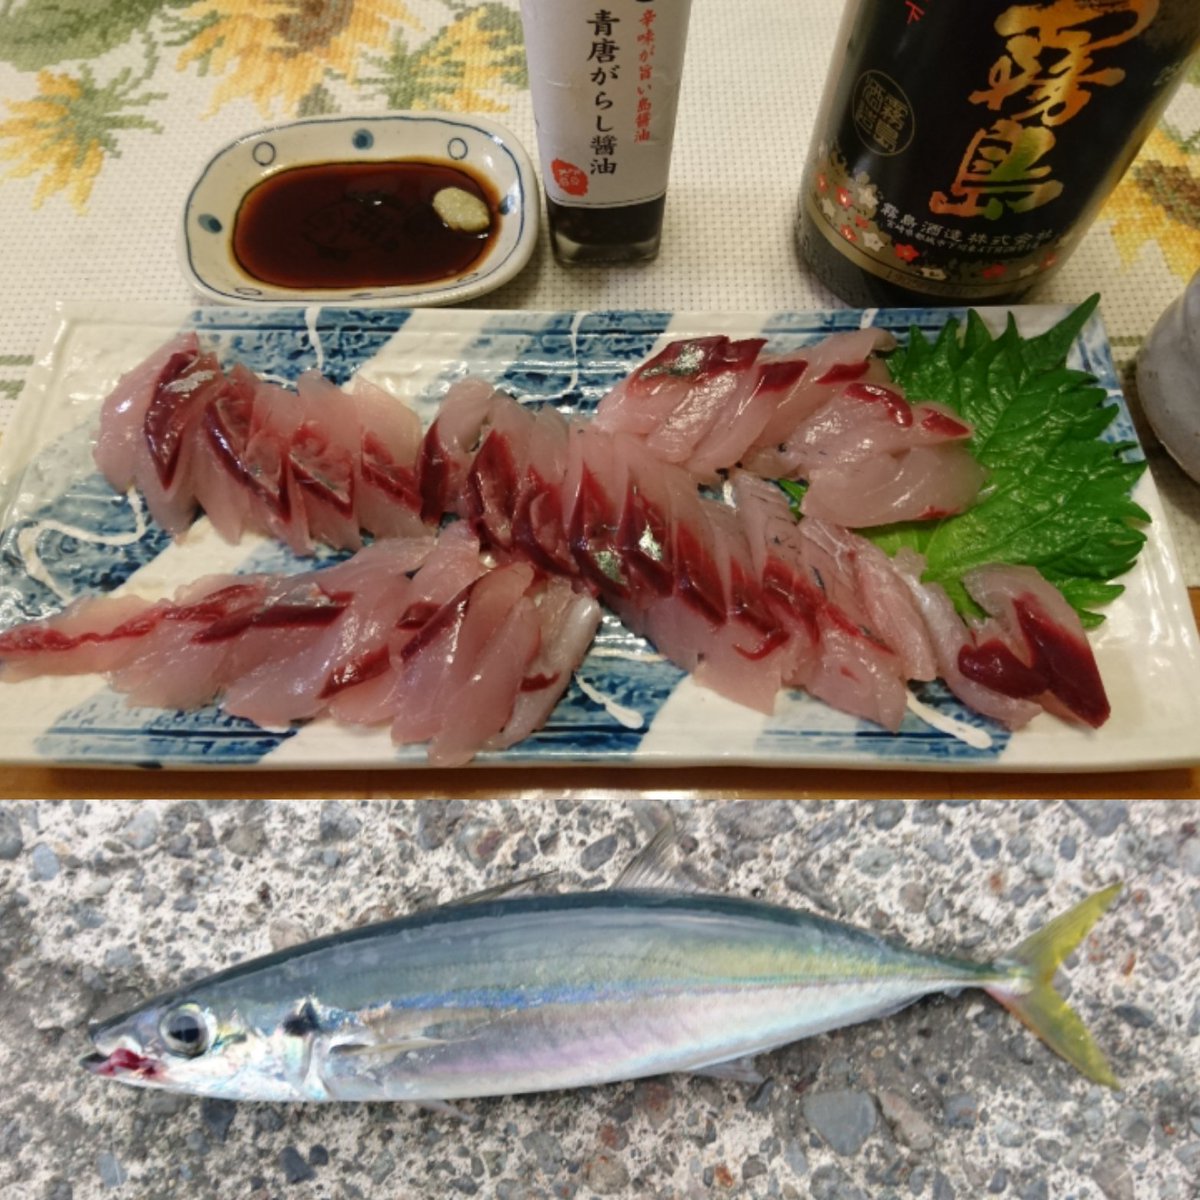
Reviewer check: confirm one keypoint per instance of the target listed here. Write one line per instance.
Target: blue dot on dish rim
(456, 148)
(363, 139)
(209, 223)
(507, 204)
(264, 153)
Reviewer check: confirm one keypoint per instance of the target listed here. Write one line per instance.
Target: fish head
(193, 1043)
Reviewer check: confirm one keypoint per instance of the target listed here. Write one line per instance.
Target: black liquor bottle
(962, 150)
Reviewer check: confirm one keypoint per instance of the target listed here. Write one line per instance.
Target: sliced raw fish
(950, 637)
(643, 402)
(775, 380)
(389, 498)
(449, 446)
(365, 690)
(1034, 647)
(324, 453)
(374, 589)
(89, 636)
(119, 442)
(567, 623)
(925, 483)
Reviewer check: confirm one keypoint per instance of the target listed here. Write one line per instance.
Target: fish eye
(184, 1030)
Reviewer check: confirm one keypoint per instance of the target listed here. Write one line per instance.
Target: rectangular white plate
(64, 533)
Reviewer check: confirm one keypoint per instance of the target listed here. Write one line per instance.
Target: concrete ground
(103, 903)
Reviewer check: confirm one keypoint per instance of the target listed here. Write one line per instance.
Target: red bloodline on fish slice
(780, 375)
(942, 424)
(592, 537)
(166, 417)
(369, 666)
(537, 527)
(844, 372)
(1059, 665)
(748, 604)
(536, 683)
(698, 580)
(491, 488)
(450, 614)
(276, 616)
(894, 404)
(323, 469)
(381, 470)
(644, 537)
(433, 476)
(34, 637)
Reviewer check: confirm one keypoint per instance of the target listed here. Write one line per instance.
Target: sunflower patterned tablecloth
(109, 108)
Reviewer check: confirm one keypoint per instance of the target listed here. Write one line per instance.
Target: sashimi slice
(324, 452)
(389, 500)
(925, 483)
(832, 364)
(449, 446)
(950, 636)
(119, 442)
(444, 658)
(742, 424)
(374, 589)
(539, 531)
(715, 397)
(365, 691)
(218, 475)
(1035, 646)
(647, 396)
(567, 621)
(486, 697)
(89, 636)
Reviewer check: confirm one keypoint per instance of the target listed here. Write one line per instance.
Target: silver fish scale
(554, 992)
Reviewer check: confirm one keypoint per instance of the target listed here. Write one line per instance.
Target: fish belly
(550, 1045)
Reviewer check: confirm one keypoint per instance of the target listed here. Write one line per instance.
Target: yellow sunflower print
(1159, 201)
(67, 129)
(276, 51)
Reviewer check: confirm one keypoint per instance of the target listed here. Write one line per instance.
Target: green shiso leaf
(1057, 497)
(794, 489)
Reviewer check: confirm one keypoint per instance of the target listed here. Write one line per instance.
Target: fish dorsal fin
(656, 867)
(527, 885)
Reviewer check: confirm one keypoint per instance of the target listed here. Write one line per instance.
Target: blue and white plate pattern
(63, 534)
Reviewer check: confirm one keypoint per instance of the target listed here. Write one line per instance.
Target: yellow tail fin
(1039, 1006)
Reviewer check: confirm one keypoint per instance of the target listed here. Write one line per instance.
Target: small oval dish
(400, 210)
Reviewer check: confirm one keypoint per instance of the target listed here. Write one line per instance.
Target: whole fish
(523, 993)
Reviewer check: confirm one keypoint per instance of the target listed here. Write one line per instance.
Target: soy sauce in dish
(357, 225)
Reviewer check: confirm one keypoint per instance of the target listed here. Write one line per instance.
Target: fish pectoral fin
(656, 867)
(383, 1049)
(734, 1070)
(382, 1038)
(444, 1107)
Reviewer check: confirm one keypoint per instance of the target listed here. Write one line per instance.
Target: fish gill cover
(1058, 496)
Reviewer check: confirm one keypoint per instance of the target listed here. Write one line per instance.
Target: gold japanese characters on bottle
(961, 151)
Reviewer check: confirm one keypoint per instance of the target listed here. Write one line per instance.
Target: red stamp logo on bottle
(569, 177)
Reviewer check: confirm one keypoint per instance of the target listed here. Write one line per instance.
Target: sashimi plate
(64, 533)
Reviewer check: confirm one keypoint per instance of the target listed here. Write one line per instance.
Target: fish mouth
(121, 1063)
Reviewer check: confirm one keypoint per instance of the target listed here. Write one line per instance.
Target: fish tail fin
(1030, 996)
